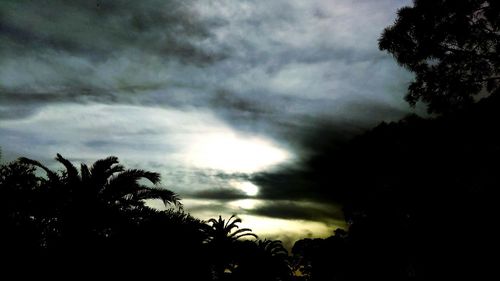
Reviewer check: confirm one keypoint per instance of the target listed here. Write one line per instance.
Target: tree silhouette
(94, 218)
(222, 242)
(221, 232)
(324, 259)
(82, 204)
(262, 260)
(21, 230)
(108, 182)
(419, 196)
(451, 46)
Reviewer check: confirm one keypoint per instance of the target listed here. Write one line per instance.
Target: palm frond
(100, 170)
(102, 165)
(54, 177)
(167, 196)
(232, 224)
(134, 175)
(273, 247)
(85, 172)
(71, 170)
(243, 235)
(242, 232)
(213, 221)
(114, 169)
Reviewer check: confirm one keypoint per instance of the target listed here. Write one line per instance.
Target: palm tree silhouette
(107, 182)
(273, 248)
(221, 240)
(222, 232)
(85, 208)
(94, 218)
(273, 260)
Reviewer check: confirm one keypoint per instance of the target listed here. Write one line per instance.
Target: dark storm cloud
(95, 29)
(99, 51)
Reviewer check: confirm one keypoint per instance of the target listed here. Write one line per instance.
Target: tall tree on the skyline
(222, 242)
(452, 47)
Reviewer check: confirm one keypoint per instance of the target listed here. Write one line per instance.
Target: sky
(221, 97)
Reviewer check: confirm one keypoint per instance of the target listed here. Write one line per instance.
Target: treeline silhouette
(420, 198)
(419, 195)
(95, 220)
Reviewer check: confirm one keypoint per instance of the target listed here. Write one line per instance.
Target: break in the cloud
(180, 86)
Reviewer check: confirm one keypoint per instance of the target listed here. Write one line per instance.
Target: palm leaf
(213, 221)
(232, 224)
(167, 196)
(71, 170)
(103, 164)
(54, 177)
(84, 170)
(101, 170)
(134, 175)
(241, 233)
(113, 170)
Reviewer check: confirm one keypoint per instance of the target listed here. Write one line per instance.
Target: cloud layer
(149, 80)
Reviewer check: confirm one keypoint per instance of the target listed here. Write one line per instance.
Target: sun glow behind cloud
(247, 187)
(183, 137)
(230, 152)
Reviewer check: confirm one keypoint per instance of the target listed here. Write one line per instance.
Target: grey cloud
(14, 111)
(282, 60)
(223, 194)
(78, 51)
(85, 28)
(312, 211)
(211, 207)
(304, 73)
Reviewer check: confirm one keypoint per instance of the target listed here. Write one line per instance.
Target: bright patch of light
(230, 152)
(247, 187)
(274, 226)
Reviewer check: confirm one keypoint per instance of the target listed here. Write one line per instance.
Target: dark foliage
(94, 221)
(452, 46)
(419, 196)
(264, 260)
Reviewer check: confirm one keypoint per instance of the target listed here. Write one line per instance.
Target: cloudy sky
(210, 93)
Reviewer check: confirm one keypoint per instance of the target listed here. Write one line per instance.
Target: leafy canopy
(452, 48)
